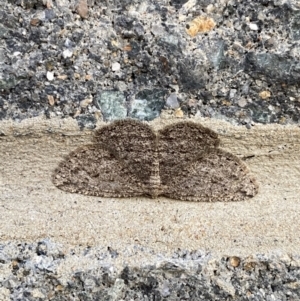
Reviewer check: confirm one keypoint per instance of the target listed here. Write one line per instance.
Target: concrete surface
(32, 208)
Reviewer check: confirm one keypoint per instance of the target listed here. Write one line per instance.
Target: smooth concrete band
(31, 208)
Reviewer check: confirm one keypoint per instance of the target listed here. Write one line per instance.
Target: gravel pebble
(50, 76)
(172, 101)
(82, 9)
(115, 67)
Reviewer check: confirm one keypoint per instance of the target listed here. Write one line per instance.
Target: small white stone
(67, 53)
(242, 102)
(115, 66)
(157, 30)
(50, 76)
(188, 5)
(181, 18)
(142, 8)
(253, 26)
(232, 93)
(84, 103)
(210, 8)
(36, 293)
(68, 43)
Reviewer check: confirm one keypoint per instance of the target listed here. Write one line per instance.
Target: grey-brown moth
(182, 161)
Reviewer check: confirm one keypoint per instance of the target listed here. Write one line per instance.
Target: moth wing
(215, 176)
(131, 142)
(93, 171)
(180, 144)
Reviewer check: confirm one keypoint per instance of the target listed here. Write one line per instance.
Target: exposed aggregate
(127, 58)
(47, 271)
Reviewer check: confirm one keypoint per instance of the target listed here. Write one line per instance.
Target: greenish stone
(7, 83)
(112, 105)
(3, 31)
(147, 104)
(215, 53)
(259, 114)
(295, 27)
(88, 122)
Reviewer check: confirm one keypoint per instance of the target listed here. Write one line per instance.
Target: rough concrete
(235, 60)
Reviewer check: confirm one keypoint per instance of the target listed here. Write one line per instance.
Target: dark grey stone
(86, 121)
(273, 68)
(214, 51)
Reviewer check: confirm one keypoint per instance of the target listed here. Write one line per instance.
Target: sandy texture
(32, 208)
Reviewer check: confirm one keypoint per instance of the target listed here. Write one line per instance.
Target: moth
(181, 161)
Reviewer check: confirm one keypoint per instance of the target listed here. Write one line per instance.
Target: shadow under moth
(181, 161)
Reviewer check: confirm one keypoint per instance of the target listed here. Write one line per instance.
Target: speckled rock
(45, 270)
(247, 47)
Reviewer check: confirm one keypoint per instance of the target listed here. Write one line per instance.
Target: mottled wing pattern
(90, 170)
(180, 144)
(131, 142)
(215, 176)
(123, 163)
